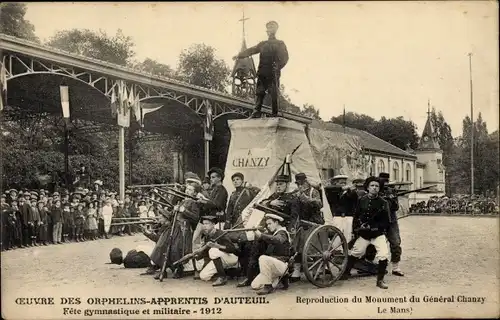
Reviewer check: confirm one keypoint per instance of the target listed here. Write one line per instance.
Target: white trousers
(271, 269)
(229, 260)
(107, 221)
(380, 243)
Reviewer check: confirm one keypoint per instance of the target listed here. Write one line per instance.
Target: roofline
(380, 153)
(403, 153)
(33, 49)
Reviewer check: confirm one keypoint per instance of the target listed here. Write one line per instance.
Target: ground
(442, 256)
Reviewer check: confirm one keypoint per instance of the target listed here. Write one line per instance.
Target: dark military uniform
(274, 262)
(370, 223)
(273, 56)
(239, 200)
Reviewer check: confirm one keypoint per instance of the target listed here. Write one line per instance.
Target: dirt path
(442, 256)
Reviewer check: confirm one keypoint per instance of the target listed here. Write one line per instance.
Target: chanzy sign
(251, 158)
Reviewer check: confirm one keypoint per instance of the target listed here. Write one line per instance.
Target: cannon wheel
(324, 257)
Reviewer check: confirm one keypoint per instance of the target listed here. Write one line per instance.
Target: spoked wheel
(324, 258)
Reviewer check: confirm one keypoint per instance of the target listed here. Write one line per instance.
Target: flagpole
(343, 119)
(64, 92)
(121, 159)
(472, 128)
(207, 156)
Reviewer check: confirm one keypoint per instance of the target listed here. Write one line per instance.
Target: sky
(379, 58)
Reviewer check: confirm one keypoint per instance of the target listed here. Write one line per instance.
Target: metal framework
(22, 58)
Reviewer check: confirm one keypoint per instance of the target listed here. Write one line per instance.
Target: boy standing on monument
(273, 57)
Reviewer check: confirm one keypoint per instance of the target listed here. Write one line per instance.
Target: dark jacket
(56, 214)
(218, 201)
(291, 208)
(239, 200)
(372, 216)
(224, 241)
(393, 206)
(272, 50)
(278, 245)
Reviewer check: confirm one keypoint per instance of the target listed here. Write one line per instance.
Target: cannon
(324, 254)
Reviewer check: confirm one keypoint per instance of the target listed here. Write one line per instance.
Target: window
(381, 166)
(408, 172)
(395, 171)
(420, 182)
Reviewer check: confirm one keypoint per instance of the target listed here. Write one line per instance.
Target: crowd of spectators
(38, 217)
(460, 204)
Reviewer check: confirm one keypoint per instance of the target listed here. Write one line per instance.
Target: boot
(265, 290)
(285, 281)
(351, 261)
(157, 276)
(259, 100)
(245, 283)
(178, 272)
(252, 272)
(221, 273)
(295, 277)
(221, 281)
(382, 266)
(396, 271)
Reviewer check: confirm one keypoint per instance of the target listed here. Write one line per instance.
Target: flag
(209, 124)
(123, 114)
(64, 91)
(138, 110)
(3, 83)
(114, 103)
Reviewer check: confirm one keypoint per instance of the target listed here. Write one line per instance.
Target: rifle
(163, 198)
(152, 185)
(191, 255)
(402, 193)
(168, 205)
(169, 245)
(287, 217)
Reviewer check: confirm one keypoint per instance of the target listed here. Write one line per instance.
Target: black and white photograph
(249, 160)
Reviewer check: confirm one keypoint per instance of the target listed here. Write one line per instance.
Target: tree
(397, 131)
(355, 120)
(198, 65)
(154, 67)
(116, 49)
(310, 111)
(446, 142)
(485, 157)
(12, 21)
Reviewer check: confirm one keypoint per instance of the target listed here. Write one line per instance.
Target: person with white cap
(273, 56)
(220, 256)
(273, 263)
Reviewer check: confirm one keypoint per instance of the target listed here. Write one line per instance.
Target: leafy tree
(154, 67)
(12, 21)
(116, 49)
(485, 157)
(199, 65)
(397, 131)
(355, 120)
(446, 142)
(310, 111)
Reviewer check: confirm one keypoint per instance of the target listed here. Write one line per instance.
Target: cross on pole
(243, 22)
